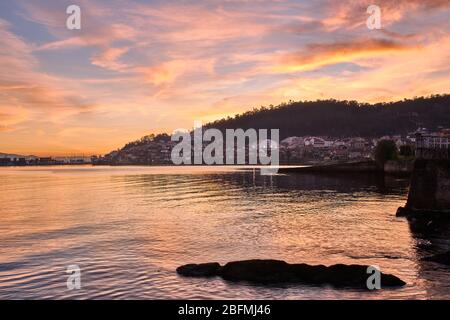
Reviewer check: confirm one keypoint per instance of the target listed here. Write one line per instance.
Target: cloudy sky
(138, 67)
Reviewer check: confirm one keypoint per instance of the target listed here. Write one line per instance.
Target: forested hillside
(345, 118)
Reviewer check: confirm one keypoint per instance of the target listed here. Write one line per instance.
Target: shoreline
(395, 168)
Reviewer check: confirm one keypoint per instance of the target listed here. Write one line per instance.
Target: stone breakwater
(429, 192)
(392, 167)
(276, 271)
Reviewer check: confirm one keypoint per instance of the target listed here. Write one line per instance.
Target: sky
(139, 67)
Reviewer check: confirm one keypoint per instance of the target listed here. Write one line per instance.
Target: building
(433, 145)
(317, 142)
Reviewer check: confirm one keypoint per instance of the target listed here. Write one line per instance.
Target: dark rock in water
(257, 271)
(403, 212)
(276, 271)
(442, 258)
(199, 270)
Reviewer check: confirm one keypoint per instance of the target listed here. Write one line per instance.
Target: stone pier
(429, 191)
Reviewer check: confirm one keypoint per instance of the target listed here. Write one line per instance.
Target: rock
(257, 271)
(442, 258)
(199, 270)
(403, 212)
(276, 271)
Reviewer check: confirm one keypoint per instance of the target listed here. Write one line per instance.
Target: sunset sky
(140, 67)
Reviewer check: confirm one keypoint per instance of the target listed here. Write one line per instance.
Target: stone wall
(430, 187)
(355, 166)
(401, 167)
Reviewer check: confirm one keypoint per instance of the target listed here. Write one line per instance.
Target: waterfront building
(434, 145)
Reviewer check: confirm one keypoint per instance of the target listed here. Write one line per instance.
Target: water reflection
(432, 236)
(129, 228)
(338, 182)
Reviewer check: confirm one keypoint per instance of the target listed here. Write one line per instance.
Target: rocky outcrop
(199, 270)
(276, 271)
(429, 190)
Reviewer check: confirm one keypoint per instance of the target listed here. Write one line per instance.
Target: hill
(345, 118)
(331, 118)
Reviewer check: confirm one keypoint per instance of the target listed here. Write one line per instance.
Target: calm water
(128, 228)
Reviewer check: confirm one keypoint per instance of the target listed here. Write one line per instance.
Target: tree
(385, 150)
(406, 151)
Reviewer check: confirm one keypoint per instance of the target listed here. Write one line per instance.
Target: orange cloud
(165, 72)
(319, 55)
(108, 59)
(156, 67)
(26, 92)
(351, 14)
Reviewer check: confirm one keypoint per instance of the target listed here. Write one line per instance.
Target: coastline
(393, 167)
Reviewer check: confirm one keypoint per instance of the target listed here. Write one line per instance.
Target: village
(313, 150)
(292, 150)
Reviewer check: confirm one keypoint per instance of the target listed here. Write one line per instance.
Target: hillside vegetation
(345, 118)
(334, 118)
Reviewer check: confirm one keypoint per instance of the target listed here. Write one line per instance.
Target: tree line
(336, 118)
